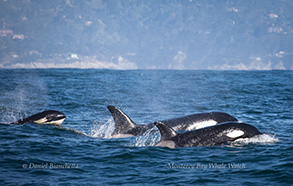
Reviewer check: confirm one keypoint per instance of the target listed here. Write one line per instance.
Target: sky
(147, 34)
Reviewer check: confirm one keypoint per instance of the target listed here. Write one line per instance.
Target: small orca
(125, 127)
(46, 117)
(209, 136)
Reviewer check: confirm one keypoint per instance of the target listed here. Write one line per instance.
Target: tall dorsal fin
(166, 132)
(123, 123)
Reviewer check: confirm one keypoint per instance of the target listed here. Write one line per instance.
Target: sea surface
(81, 152)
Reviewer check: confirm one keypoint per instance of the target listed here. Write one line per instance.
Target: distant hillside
(182, 34)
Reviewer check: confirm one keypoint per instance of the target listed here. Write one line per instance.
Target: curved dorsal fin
(123, 123)
(166, 132)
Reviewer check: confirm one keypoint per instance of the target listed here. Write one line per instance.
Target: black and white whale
(46, 117)
(209, 136)
(125, 127)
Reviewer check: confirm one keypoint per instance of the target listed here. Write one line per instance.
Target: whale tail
(123, 124)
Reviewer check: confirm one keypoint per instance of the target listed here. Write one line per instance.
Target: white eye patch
(235, 133)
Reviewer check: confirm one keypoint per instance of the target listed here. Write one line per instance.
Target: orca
(214, 135)
(46, 117)
(125, 127)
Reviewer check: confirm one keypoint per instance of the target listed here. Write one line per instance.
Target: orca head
(167, 134)
(46, 117)
(238, 130)
(49, 117)
(124, 126)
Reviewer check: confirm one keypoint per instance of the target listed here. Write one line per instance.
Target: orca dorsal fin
(123, 123)
(166, 132)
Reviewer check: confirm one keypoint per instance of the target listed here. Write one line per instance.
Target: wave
(72, 130)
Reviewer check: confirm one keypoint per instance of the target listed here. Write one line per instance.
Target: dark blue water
(79, 153)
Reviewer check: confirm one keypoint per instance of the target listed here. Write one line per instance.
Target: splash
(26, 96)
(102, 130)
(259, 139)
(149, 138)
(105, 130)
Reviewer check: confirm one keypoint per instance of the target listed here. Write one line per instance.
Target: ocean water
(81, 152)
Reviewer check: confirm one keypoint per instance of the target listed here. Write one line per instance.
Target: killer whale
(214, 135)
(46, 117)
(125, 127)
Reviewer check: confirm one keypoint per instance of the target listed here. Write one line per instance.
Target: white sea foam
(149, 138)
(102, 130)
(105, 130)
